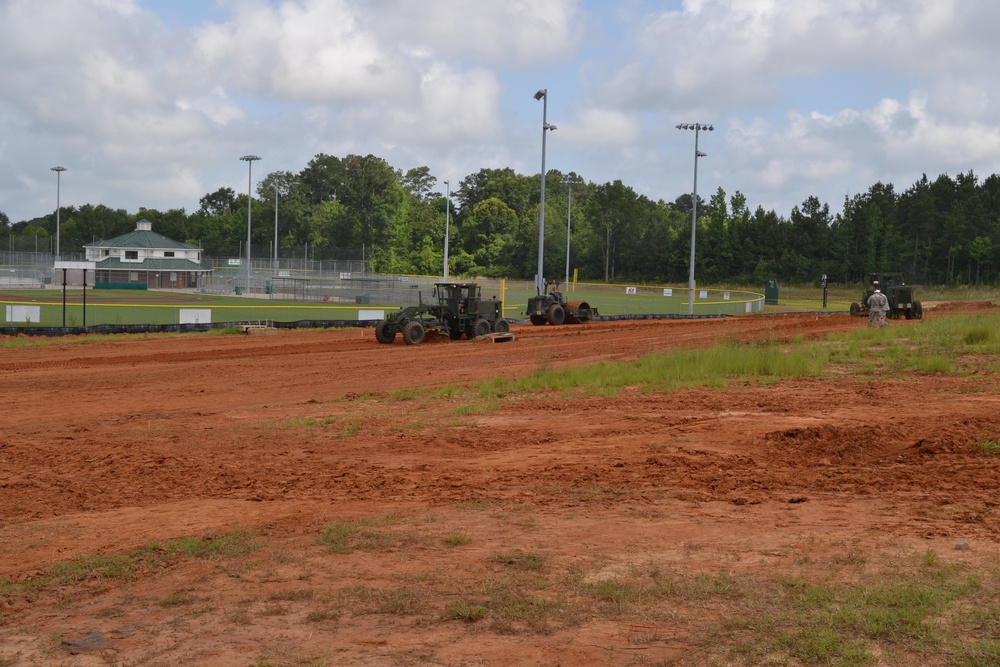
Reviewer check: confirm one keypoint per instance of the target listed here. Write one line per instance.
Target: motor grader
(899, 294)
(551, 307)
(457, 309)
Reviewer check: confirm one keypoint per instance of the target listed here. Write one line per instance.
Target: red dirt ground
(110, 445)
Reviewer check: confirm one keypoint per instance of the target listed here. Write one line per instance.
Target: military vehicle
(899, 294)
(551, 307)
(458, 309)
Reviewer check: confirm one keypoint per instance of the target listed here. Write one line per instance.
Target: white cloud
(821, 97)
(497, 33)
(316, 50)
(601, 126)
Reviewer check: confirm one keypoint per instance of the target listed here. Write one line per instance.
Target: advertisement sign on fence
(196, 315)
(24, 314)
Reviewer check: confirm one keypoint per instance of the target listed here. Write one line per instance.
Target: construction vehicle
(899, 294)
(457, 309)
(551, 307)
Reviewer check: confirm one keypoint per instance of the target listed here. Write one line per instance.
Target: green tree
(322, 179)
(371, 193)
(283, 202)
(490, 235)
(981, 250)
(612, 210)
(419, 183)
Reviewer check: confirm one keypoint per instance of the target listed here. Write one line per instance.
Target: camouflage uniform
(878, 306)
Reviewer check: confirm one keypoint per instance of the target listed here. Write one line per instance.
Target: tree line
(941, 231)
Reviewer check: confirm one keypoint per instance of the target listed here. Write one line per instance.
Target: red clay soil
(109, 446)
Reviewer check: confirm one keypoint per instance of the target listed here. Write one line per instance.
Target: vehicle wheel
(384, 332)
(557, 315)
(855, 309)
(413, 333)
(501, 326)
(918, 310)
(538, 320)
(481, 327)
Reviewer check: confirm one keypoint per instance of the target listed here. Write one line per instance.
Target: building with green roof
(144, 259)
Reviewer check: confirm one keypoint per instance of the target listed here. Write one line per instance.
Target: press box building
(144, 259)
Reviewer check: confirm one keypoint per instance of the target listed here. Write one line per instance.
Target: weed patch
(127, 566)
(345, 537)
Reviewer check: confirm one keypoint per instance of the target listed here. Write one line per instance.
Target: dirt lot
(108, 447)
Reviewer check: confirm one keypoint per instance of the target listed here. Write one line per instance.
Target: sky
(151, 103)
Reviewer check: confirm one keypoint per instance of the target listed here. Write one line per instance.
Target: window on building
(131, 254)
(168, 253)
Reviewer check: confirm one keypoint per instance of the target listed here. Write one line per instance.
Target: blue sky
(150, 103)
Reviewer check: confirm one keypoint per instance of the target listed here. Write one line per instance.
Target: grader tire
(413, 333)
(481, 327)
(385, 333)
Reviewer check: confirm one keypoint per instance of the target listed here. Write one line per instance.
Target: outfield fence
(352, 287)
(330, 294)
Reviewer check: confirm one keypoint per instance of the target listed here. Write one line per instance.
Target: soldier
(883, 310)
(878, 306)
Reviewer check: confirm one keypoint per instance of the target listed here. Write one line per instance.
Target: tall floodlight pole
(275, 224)
(447, 225)
(697, 127)
(569, 212)
(542, 95)
(249, 159)
(59, 171)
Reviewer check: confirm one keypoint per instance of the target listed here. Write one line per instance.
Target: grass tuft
(346, 537)
(991, 447)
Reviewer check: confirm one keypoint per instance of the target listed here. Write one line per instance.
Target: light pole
(249, 159)
(447, 225)
(275, 264)
(59, 171)
(697, 127)
(569, 212)
(542, 95)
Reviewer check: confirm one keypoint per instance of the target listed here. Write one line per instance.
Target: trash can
(771, 292)
(269, 288)
(239, 290)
